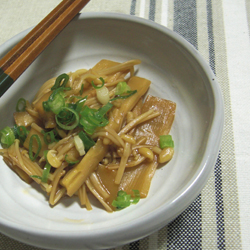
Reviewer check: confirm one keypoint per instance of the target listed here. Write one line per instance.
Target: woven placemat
(212, 220)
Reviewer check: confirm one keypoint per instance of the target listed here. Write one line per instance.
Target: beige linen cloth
(219, 29)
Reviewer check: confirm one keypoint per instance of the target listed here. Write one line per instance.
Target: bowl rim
(155, 219)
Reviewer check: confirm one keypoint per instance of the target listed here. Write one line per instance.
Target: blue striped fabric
(152, 10)
(219, 205)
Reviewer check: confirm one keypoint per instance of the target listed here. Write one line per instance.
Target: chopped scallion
(93, 118)
(45, 152)
(61, 81)
(124, 200)
(102, 95)
(7, 137)
(166, 141)
(69, 161)
(104, 109)
(55, 102)
(36, 137)
(46, 171)
(129, 93)
(121, 88)
(79, 145)
(46, 106)
(98, 87)
(36, 176)
(22, 133)
(87, 141)
(49, 137)
(136, 197)
(74, 97)
(21, 105)
(80, 103)
(67, 118)
(81, 90)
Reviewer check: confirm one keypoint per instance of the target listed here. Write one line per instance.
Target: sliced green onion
(36, 176)
(46, 106)
(45, 152)
(21, 105)
(67, 118)
(15, 130)
(79, 145)
(22, 133)
(71, 106)
(89, 128)
(121, 88)
(55, 102)
(49, 137)
(46, 172)
(104, 109)
(81, 90)
(59, 79)
(98, 87)
(102, 92)
(124, 200)
(136, 197)
(166, 141)
(129, 93)
(70, 162)
(92, 118)
(102, 95)
(87, 141)
(80, 103)
(74, 97)
(31, 147)
(7, 137)
(96, 117)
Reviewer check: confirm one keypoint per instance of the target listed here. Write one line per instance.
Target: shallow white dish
(178, 73)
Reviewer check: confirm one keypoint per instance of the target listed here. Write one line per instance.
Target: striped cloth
(219, 29)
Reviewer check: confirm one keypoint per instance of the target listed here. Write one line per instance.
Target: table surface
(219, 29)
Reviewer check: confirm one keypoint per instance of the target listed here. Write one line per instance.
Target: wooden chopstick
(14, 63)
(32, 36)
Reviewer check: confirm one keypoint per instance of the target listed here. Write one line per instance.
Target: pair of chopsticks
(14, 63)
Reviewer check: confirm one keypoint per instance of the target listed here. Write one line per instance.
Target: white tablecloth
(219, 29)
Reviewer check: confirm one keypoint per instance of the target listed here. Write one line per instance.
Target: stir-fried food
(91, 132)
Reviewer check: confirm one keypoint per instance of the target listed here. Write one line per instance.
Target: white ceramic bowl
(178, 73)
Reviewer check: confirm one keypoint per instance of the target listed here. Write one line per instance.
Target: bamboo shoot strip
(23, 54)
